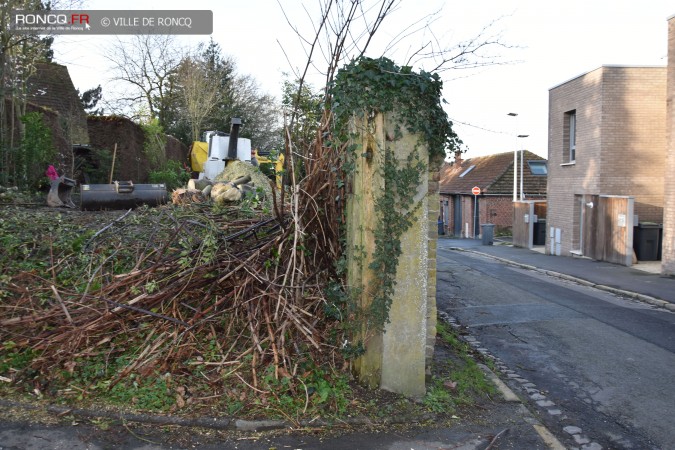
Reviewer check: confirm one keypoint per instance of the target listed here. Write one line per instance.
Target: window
(570, 138)
(467, 171)
(538, 167)
(573, 136)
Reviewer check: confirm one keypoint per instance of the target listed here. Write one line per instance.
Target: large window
(570, 137)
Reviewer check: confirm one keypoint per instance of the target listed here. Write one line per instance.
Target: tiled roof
(492, 173)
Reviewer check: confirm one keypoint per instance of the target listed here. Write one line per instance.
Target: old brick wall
(130, 162)
(51, 87)
(432, 221)
(176, 150)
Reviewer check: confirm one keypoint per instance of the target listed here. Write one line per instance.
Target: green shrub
(94, 166)
(154, 144)
(35, 153)
(174, 175)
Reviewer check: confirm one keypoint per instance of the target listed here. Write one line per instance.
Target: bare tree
(259, 111)
(146, 65)
(187, 91)
(342, 31)
(239, 95)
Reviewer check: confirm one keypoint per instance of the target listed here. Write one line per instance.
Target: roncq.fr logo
(51, 19)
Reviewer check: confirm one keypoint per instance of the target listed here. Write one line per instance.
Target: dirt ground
(488, 423)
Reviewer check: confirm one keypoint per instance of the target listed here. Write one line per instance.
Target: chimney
(458, 157)
(234, 136)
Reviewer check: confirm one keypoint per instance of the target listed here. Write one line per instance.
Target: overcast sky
(551, 43)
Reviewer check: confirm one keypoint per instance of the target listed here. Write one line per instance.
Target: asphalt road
(585, 359)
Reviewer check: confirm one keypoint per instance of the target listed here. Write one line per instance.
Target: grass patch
(458, 381)
(314, 392)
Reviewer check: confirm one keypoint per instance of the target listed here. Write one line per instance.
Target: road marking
(507, 393)
(548, 438)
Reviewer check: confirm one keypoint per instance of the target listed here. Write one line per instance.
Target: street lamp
(515, 164)
(522, 158)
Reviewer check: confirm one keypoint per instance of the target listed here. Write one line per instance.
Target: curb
(215, 423)
(505, 391)
(634, 295)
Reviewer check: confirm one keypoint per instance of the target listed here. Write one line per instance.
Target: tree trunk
(4, 151)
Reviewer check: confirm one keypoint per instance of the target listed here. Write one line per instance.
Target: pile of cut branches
(221, 302)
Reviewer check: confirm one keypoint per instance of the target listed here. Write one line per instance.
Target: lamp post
(515, 164)
(522, 174)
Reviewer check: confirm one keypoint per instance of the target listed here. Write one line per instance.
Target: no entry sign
(475, 190)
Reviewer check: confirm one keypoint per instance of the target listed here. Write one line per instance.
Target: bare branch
(478, 51)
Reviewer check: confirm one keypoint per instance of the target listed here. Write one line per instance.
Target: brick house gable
(51, 87)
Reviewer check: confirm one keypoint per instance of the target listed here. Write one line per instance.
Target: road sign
(475, 190)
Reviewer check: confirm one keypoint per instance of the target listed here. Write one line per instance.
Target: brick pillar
(396, 359)
(668, 245)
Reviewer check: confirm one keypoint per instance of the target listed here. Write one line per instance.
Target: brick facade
(497, 209)
(668, 249)
(493, 174)
(620, 145)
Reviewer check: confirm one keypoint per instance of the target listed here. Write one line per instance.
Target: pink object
(51, 173)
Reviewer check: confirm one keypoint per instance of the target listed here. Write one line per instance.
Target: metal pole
(522, 158)
(522, 174)
(515, 163)
(515, 172)
(475, 215)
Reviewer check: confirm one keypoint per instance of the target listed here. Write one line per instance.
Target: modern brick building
(668, 247)
(493, 174)
(607, 138)
(612, 142)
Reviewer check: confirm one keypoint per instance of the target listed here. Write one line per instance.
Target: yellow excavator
(275, 164)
